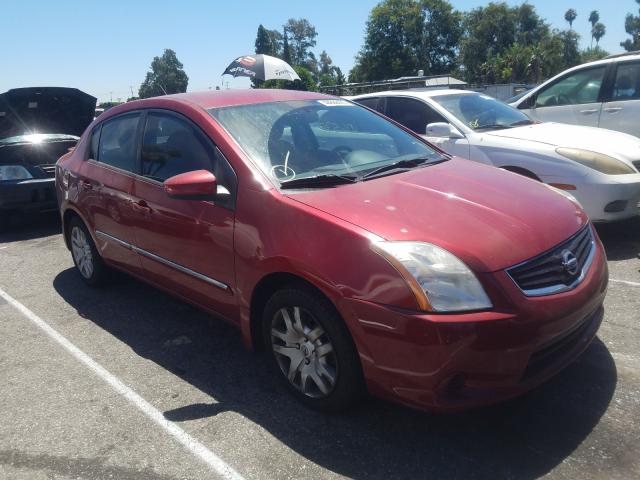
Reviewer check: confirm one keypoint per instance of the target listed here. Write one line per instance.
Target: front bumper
(33, 195)
(449, 362)
(614, 200)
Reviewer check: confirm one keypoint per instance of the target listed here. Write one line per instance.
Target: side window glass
(577, 88)
(627, 83)
(413, 114)
(117, 145)
(94, 143)
(172, 146)
(373, 103)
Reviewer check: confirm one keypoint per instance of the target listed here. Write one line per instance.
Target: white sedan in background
(600, 168)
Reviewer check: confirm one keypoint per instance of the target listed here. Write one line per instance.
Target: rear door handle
(590, 111)
(612, 109)
(141, 206)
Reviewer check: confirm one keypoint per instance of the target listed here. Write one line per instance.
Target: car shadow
(17, 228)
(621, 240)
(523, 438)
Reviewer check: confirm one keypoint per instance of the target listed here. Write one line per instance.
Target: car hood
(490, 218)
(45, 110)
(620, 145)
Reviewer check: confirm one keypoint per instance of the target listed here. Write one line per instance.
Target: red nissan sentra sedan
(360, 256)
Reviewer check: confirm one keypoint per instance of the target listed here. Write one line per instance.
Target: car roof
(212, 99)
(415, 93)
(604, 61)
(223, 98)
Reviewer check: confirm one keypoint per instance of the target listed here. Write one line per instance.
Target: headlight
(598, 161)
(14, 172)
(438, 279)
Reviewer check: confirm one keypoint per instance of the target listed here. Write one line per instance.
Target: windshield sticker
(334, 103)
(32, 105)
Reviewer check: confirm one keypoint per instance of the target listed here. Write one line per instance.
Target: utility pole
(131, 88)
(110, 97)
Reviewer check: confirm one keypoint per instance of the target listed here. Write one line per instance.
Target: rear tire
(311, 349)
(85, 255)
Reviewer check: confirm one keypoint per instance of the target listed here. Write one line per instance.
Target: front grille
(50, 170)
(557, 270)
(636, 163)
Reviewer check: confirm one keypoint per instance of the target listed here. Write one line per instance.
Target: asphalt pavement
(126, 382)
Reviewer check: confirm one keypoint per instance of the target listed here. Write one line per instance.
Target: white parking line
(626, 282)
(190, 443)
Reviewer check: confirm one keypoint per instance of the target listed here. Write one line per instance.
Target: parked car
(37, 126)
(356, 253)
(598, 167)
(605, 93)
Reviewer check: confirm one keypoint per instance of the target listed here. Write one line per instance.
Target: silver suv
(605, 93)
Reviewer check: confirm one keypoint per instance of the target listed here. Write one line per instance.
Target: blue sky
(106, 47)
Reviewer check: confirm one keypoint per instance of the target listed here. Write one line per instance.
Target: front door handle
(612, 109)
(141, 206)
(590, 111)
(86, 184)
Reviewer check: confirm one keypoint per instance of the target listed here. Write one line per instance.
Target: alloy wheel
(81, 250)
(304, 352)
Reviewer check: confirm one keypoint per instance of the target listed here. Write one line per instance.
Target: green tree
(571, 52)
(632, 27)
(404, 36)
(268, 41)
(286, 49)
(592, 54)
(306, 81)
(594, 17)
(301, 38)
(570, 15)
(325, 64)
(598, 32)
(165, 77)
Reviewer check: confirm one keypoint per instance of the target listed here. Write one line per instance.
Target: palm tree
(594, 17)
(570, 15)
(598, 32)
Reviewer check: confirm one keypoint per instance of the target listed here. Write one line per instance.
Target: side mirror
(442, 130)
(196, 185)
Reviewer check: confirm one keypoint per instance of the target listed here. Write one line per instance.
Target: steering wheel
(563, 99)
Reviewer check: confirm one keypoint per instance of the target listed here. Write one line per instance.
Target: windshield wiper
(318, 181)
(400, 164)
(521, 122)
(494, 126)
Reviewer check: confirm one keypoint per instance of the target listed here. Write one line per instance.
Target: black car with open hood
(37, 126)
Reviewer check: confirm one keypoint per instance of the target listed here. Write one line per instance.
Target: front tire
(311, 350)
(85, 255)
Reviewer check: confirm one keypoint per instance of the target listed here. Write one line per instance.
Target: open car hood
(45, 110)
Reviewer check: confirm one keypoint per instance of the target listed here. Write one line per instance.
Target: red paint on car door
(185, 245)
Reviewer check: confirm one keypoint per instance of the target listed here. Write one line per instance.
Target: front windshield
(311, 138)
(480, 112)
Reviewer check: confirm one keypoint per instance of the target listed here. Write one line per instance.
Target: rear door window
(577, 88)
(117, 146)
(626, 85)
(373, 103)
